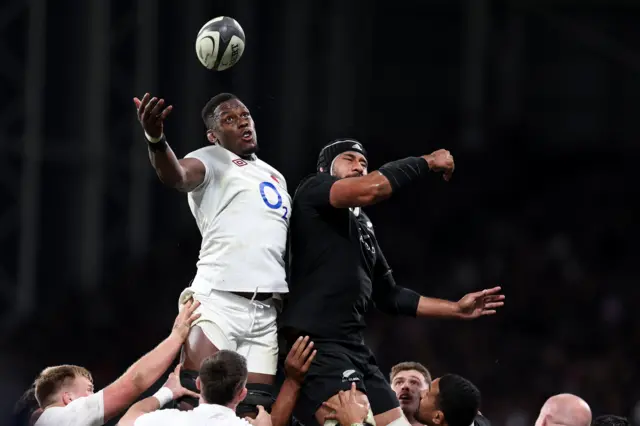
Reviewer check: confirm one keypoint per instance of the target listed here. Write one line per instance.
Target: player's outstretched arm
(183, 175)
(390, 178)
(148, 369)
(397, 300)
(296, 365)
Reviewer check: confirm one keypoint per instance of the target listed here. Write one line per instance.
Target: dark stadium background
(537, 99)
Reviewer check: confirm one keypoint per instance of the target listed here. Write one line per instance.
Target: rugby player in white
(65, 392)
(242, 208)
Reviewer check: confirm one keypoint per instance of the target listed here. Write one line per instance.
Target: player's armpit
(360, 191)
(194, 174)
(184, 175)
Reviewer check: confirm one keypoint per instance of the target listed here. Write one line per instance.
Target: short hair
(52, 379)
(210, 107)
(222, 376)
(410, 365)
(610, 420)
(458, 399)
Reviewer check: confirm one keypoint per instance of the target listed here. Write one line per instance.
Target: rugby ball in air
(220, 43)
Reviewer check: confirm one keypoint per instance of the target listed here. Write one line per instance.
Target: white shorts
(235, 323)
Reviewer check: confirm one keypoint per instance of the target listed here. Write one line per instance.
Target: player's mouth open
(405, 397)
(247, 135)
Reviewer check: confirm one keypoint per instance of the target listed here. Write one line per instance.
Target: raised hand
(185, 318)
(441, 161)
(151, 114)
(299, 359)
(485, 302)
(173, 383)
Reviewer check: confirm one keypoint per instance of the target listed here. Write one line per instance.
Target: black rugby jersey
(337, 271)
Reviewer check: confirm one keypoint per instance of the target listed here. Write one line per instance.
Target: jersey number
(277, 204)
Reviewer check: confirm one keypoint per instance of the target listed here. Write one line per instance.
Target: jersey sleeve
(213, 166)
(89, 409)
(316, 190)
(390, 298)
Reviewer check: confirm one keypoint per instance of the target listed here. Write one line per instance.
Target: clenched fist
(441, 161)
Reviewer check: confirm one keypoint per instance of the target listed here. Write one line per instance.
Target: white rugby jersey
(85, 411)
(242, 210)
(202, 415)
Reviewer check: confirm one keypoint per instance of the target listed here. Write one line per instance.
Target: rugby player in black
(451, 401)
(337, 272)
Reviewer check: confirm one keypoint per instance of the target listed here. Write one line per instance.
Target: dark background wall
(537, 100)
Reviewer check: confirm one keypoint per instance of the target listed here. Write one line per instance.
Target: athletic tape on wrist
(164, 396)
(159, 146)
(152, 139)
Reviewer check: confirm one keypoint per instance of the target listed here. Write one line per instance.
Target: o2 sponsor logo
(272, 198)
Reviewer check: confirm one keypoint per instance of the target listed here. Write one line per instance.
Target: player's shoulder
(272, 170)
(79, 411)
(311, 181)
(209, 152)
(163, 417)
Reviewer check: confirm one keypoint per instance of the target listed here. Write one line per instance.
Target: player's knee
(188, 380)
(257, 394)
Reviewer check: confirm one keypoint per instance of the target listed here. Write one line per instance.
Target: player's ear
(67, 398)
(211, 137)
(242, 394)
(438, 418)
(198, 384)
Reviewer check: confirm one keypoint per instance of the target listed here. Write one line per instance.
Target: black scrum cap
(335, 148)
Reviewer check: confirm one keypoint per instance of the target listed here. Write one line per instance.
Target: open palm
(480, 303)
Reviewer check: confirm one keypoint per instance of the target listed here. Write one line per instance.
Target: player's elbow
(387, 307)
(132, 383)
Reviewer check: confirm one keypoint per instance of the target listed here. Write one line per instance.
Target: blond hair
(411, 365)
(52, 379)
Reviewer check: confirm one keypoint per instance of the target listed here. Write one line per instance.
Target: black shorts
(338, 364)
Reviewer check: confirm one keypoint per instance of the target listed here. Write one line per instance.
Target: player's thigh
(383, 400)
(211, 332)
(259, 344)
(331, 371)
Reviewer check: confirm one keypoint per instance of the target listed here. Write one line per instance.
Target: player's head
(451, 401)
(26, 410)
(609, 420)
(409, 380)
(343, 158)
(229, 124)
(62, 384)
(564, 409)
(223, 378)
